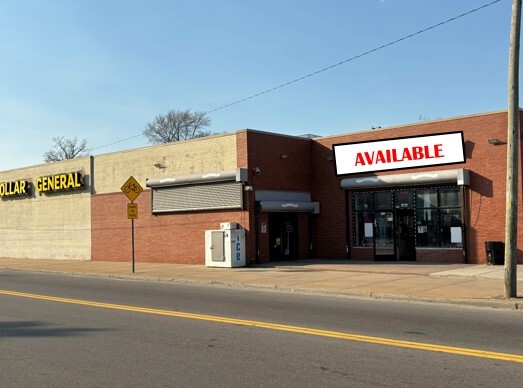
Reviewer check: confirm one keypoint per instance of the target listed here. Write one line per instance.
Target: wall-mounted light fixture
(160, 165)
(284, 156)
(495, 141)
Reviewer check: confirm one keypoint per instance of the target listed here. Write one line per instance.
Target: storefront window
(364, 229)
(437, 215)
(450, 228)
(426, 198)
(382, 200)
(404, 199)
(449, 197)
(363, 201)
(427, 228)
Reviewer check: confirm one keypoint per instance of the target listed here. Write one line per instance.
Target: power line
(334, 65)
(116, 142)
(355, 57)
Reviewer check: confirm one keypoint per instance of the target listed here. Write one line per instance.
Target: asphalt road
(61, 343)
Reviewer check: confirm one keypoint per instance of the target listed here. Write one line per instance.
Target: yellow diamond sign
(132, 189)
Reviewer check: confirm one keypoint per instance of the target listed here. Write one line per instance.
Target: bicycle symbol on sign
(132, 188)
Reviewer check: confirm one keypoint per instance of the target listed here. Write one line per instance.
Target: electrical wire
(355, 57)
(332, 66)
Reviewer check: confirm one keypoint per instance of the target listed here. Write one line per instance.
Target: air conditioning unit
(225, 248)
(228, 225)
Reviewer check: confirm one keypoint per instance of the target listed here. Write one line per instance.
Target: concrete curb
(502, 304)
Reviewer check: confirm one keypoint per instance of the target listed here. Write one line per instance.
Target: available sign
(399, 153)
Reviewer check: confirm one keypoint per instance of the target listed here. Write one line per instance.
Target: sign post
(132, 189)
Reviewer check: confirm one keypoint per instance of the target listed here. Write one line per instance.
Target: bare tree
(177, 125)
(66, 149)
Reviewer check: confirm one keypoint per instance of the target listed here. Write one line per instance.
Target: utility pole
(511, 208)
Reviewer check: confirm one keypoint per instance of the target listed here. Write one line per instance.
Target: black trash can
(495, 251)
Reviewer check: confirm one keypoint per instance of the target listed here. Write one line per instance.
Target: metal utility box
(228, 225)
(225, 248)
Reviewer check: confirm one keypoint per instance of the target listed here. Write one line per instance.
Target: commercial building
(294, 197)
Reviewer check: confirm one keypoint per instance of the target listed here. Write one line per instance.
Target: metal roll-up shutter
(219, 195)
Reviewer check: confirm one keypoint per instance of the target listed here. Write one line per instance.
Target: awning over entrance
(286, 201)
(461, 177)
(288, 206)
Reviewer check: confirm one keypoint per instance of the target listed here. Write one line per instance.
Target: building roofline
(298, 137)
(121, 151)
(415, 124)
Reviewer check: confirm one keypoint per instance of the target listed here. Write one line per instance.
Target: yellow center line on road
(276, 326)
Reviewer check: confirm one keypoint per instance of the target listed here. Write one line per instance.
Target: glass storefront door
(405, 243)
(384, 239)
(283, 236)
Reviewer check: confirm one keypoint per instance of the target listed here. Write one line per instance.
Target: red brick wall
(486, 196)
(303, 234)
(165, 238)
(293, 173)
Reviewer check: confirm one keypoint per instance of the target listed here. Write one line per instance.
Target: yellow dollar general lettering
(23, 187)
(59, 182)
(70, 181)
(15, 188)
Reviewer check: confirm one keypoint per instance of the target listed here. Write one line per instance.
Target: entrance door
(405, 249)
(384, 240)
(283, 236)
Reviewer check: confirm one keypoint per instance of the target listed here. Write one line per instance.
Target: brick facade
(162, 238)
(299, 164)
(286, 163)
(485, 197)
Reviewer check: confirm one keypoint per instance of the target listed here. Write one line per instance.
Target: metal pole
(132, 240)
(511, 208)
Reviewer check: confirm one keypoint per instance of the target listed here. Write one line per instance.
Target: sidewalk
(464, 284)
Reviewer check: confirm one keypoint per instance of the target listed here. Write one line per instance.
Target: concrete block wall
(214, 153)
(47, 225)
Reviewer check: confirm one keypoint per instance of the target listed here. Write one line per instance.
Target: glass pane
(450, 221)
(427, 228)
(426, 198)
(364, 229)
(363, 201)
(384, 233)
(404, 199)
(449, 197)
(383, 200)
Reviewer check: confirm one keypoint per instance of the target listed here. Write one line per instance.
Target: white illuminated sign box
(399, 153)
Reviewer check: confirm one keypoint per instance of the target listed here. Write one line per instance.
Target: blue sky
(101, 69)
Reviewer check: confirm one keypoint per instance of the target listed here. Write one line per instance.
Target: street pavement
(463, 284)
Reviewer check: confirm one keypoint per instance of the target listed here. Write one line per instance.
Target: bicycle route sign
(132, 189)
